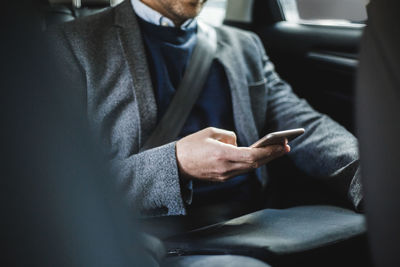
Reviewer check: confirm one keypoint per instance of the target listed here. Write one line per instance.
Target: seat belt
(189, 90)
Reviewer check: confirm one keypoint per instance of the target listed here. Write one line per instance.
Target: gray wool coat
(104, 56)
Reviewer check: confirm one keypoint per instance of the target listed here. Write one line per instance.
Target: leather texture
(268, 234)
(56, 14)
(104, 54)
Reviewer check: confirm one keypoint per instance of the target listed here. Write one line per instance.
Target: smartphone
(278, 138)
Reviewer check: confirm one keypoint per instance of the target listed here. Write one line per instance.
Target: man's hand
(212, 154)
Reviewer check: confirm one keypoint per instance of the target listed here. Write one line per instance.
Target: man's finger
(224, 136)
(251, 155)
(241, 166)
(261, 160)
(229, 175)
(264, 161)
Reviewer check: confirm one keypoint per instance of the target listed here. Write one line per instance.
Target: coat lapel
(131, 41)
(243, 116)
(241, 102)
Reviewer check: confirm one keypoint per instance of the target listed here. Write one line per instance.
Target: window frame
(331, 23)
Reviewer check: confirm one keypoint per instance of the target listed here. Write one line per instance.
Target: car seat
(378, 119)
(59, 11)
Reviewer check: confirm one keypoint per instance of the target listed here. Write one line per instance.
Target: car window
(214, 12)
(326, 12)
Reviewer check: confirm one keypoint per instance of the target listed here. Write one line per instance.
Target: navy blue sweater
(169, 50)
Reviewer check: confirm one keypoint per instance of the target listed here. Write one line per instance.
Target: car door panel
(320, 63)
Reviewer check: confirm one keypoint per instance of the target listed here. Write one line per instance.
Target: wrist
(183, 175)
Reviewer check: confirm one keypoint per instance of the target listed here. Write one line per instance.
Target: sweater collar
(172, 35)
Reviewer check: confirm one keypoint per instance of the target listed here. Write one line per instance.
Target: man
(127, 63)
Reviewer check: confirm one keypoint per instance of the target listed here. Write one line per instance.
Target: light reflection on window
(325, 12)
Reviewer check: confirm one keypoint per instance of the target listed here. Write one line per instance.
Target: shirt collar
(150, 15)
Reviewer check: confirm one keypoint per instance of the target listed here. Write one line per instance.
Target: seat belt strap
(189, 90)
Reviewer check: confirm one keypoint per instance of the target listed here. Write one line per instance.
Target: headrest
(80, 3)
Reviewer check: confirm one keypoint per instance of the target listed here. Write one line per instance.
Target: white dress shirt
(150, 15)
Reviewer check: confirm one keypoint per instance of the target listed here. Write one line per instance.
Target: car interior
(338, 67)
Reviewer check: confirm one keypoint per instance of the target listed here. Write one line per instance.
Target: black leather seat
(311, 235)
(59, 11)
(378, 119)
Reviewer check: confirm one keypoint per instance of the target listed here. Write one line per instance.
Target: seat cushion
(213, 261)
(268, 234)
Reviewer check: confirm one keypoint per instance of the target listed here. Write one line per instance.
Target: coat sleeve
(327, 150)
(149, 179)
